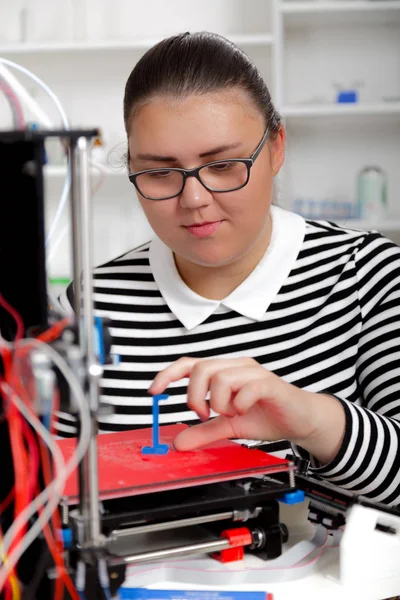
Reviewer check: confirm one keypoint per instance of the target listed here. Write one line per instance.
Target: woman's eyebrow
(213, 151)
(220, 149)
(156, 157)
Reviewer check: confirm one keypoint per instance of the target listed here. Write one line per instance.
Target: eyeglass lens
(220, 177)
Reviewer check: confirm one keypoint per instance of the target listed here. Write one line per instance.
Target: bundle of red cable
(30, 455)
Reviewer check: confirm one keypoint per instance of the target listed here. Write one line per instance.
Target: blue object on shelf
(347, 97)
(293, 497)
(156, 448)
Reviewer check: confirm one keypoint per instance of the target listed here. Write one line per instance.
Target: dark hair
(197, 63)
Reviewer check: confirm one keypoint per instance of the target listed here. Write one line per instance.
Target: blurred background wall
(333, 68)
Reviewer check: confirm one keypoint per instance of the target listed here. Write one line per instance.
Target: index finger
(178, 370)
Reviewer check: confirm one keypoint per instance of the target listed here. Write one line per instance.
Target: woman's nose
(194, 194)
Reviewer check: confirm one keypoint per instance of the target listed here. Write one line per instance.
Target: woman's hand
(253, 403)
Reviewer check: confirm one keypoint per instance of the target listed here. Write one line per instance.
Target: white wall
(319, 57)
(324, 155)
(307, 55)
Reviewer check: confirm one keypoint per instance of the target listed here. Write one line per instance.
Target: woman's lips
(204, 229)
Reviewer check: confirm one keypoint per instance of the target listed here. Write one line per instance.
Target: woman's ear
(278, 151)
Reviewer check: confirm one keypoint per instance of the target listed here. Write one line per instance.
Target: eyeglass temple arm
(260, 145)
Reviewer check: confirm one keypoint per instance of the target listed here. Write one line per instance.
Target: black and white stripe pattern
(333, 327)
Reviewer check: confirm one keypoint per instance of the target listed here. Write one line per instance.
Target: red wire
(15, 315)
(7, 501)
(16, 425)
(20, 471)
(8, 593)
(34, 460)
(55, 331)
(57, 522)
(7, 362)
(14, 420)
(54, 546)
(7, 586)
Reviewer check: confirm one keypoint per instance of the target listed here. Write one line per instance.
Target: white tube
(42, 117)
(52, 250)
(24, 97)
(41, 84)
(60, 208)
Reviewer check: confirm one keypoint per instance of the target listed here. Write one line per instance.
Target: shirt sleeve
(368, 461)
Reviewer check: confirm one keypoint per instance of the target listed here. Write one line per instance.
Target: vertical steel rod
(77, 274)
(82, 239)
(76, 233)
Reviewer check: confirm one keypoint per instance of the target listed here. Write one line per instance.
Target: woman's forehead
(194, 121)
(218, 104)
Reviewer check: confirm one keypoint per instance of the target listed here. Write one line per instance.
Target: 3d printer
(220, 500)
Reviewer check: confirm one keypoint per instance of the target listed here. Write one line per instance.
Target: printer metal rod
(165, 526)
(200, 548)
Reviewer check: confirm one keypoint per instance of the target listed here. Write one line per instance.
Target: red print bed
(125, 471)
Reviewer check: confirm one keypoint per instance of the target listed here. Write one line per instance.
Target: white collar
(253, 296)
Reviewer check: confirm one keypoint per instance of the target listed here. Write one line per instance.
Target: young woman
(292, 327)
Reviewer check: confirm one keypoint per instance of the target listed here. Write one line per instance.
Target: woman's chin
(208, 259)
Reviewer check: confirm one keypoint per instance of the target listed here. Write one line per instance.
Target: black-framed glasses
(220, 176)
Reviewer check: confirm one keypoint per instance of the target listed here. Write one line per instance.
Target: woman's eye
(159, 174)
(226, 166)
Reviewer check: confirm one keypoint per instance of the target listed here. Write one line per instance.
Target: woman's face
(168, 132)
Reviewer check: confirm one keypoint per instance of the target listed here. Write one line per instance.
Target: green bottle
(372, 193)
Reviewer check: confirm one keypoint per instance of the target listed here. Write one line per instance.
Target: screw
(64, 513)
(259, 539)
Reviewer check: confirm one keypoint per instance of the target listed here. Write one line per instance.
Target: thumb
(214, 430)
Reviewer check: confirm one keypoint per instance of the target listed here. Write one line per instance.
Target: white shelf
(252, 39)
(56, 171)
(334, 12)
(388, 225)
(120, 45)
(381, 109)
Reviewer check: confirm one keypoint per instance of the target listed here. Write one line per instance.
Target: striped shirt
(321, 310)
